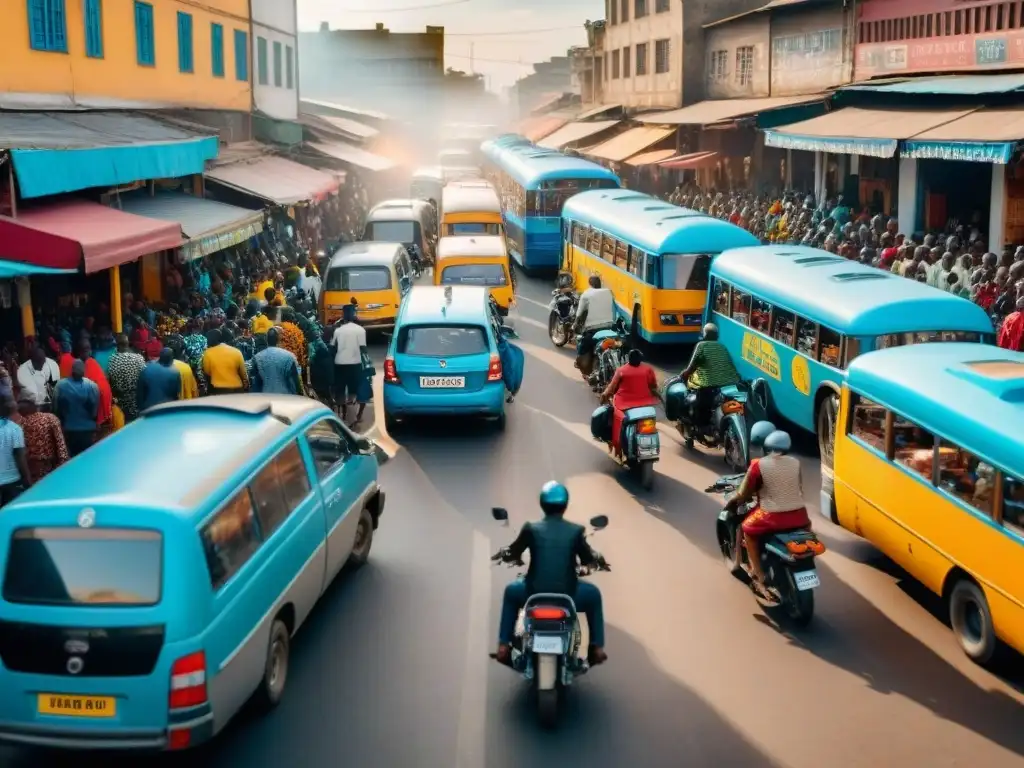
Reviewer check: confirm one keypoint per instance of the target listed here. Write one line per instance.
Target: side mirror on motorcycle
(509, 332)
(599, 523)
(500, 514)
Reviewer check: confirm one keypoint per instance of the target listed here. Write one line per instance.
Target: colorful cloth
(124, 371)
(44, 444)
(294, 341)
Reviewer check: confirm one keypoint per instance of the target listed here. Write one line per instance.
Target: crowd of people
(956, 260)
(231, 324)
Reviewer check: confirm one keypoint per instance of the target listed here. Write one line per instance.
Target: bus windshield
(925, 337)
(549, 201)
(685, 271)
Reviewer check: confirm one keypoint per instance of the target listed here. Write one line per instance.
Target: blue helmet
(778, 442)
(554, 498)
(760, 431)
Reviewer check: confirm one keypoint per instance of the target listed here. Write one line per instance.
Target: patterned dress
(44, 444)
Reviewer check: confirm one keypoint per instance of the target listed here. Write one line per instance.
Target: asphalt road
(392, 671)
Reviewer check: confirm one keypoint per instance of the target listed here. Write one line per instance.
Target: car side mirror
(364, 445)
(500, 514)
(509, 333)
(599, 523)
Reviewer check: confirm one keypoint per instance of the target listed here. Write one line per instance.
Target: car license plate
(76, 706)
(547, 644)
(806, 580)
(442, 382)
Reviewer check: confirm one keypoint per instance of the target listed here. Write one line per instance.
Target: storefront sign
(204, 246)
(961, 52)
(808, 60)
(971, 151)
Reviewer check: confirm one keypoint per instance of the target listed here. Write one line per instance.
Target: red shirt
(1011, 332)
(987, 295)
(635, 384)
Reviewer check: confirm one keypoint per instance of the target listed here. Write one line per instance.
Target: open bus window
(963, 475)
(594, 241)
(829, 343)
(636, 262)
(852, 350)
(621, 254)
(760, 315)
(782, 326)
(806, 337)
(741, 307)
(869, 422)
(721, 297)
(914, 447)
(1013, 503)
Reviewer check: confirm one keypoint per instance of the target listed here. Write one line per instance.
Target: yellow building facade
(126, 53)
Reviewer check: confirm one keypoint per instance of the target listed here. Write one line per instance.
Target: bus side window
(807, 337)
(760, 315)
(699, 273)
(652, 270)
(965, 476)
(636, 262)
(868, 422)
(913, 447)
(741, 307)
(852, 350)
(722, 297)
(594, 241)
(621, 254)
(1013, 503)
(608, 248)
(828, 347)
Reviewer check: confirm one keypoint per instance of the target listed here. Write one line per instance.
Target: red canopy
(692, 160)
(79, 233)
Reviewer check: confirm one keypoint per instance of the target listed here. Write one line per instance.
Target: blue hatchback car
(450, 354)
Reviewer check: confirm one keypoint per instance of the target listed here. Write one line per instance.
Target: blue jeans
(587, 599)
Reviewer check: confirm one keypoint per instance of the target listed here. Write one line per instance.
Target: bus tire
(826, 422)
(971, 620)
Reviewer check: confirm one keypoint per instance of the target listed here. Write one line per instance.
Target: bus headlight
(692, 319)
(669, 319)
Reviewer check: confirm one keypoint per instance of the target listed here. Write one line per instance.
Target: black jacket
(554, 544)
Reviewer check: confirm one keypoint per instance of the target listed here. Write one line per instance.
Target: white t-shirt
(34, 382)
(599, 304)
(348, 338)
(11, 438)
(310, 284)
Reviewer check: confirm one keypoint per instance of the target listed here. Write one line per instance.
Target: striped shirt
(712, 366)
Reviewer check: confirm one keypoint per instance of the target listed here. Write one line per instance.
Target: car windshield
(474, 274)
(391, 231)
(442, 341)
(84, 566)
(358, 279)
(473, 228)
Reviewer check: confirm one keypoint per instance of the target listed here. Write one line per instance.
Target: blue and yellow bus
(797, 316)
(655, 257)
(929, 467)
(533, 185)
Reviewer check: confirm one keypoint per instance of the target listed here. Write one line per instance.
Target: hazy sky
(471, 23)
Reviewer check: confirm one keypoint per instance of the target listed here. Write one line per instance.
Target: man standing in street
(77, 401)
(160, 382)
(37, 377)
(123, 371)
(349, 344)
(224, 366)
(189, 385)
(276, 369)
(14, 474)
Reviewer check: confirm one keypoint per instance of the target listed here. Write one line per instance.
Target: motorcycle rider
(595, 312)
(633, 385)
(710, 369)
(554, 544)
(777, 483)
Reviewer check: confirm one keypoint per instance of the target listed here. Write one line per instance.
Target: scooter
(546, 647)
(787, 558)
(562, 317)
(641, 444)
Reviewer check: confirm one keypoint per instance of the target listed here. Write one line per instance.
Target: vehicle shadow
(625, 712)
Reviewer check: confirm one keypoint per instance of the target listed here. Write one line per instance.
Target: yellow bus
(929, 467)
(470, 208)
(655, 257)
(476, 261)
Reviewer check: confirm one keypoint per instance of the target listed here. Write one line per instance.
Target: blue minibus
(796, 316)
(152, 585)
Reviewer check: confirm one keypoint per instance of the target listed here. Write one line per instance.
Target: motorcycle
(415, 259)
(729, 425)
(562, 317)
(610, 347)
(546, 647)
(641, 444)
(787, 558)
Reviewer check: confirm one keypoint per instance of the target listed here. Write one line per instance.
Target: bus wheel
(972, 621)
(828, 414)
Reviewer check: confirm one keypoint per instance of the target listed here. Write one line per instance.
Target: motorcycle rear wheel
(556, 330)
(799, 605)
(645, 473)
(547, 707)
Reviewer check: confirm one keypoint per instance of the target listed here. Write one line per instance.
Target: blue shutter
(261, 60)
(277, 64)
(94, 29)
(241, 56)
(289, 66)
(47, 25)
(217, 49)
(145, 52)
(185, 42)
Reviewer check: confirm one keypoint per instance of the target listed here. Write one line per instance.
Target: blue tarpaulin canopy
(950, 85)
(12, 269)
(57, 152)
(984, 136)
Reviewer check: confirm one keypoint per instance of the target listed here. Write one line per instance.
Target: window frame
(260, 539)
(262, 63)
(145, 35)
(278, 53)
(217, 68)
(289, 67)
(745, 65)
(92, 12)
(347, 439)
(186, 44)
(640, 59)
(662, 55)
(47, 25)
(241, 44)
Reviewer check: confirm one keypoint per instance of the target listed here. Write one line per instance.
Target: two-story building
(275, 59)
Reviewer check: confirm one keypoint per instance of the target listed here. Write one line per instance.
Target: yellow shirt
(261, 324)
(189, 387)
(224, 367)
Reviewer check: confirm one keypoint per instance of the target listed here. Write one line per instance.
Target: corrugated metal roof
(627, 144)
(573, 132)
(84, 130)
(197, 216)
(985, 125)
(595, 111)
(716, 110)
(349, 153)
(954, 85)
(275, 179)
(861, 123)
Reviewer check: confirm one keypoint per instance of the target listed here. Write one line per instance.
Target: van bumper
(128, 740)
(487, 401)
